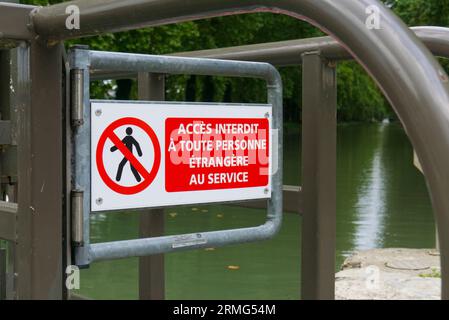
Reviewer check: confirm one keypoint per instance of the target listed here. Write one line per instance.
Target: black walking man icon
(138, 136)
(129, 142)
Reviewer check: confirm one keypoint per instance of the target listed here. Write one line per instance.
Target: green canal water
(382, 202)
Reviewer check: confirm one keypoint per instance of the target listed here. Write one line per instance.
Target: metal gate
(82, 61)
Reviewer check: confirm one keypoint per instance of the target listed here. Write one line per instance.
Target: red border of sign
(100, 163)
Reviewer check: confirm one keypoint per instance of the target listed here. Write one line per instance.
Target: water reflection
(370, 204)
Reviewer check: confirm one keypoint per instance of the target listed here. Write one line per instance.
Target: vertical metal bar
(9, 160)
(39, 261)
(10, 286)
(2, 274)
(319, 109)
(9, 155)
(67, 166)
(11, 192)
(77, 120)
(81, 148)
(152, 268)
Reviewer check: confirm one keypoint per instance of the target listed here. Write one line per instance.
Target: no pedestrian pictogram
(143, 173)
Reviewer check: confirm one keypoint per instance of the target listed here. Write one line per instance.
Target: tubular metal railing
(411, 78)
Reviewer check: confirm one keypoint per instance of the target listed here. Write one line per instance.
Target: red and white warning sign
(152, 155)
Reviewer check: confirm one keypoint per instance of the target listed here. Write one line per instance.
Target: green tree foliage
(422, 12)
(359, 99)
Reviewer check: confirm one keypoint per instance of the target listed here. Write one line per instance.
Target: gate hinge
(77, 97)
(77, 218)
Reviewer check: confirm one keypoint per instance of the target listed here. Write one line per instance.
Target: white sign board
(164, 154)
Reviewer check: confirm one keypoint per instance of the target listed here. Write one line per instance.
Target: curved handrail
(411, 78)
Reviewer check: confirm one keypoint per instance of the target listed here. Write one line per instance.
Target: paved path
(390, 274)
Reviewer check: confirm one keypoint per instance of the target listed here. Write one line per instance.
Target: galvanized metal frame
(81, 59)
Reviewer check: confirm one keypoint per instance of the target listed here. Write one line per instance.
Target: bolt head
(98, 112)
(99, 201)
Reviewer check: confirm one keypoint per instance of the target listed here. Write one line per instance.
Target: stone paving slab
(390, 274)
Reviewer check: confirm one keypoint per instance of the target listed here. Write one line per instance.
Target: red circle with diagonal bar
(148, 176)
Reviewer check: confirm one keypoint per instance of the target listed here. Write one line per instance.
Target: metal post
(318, 177)
(39, 261)
(8, 166)
(4, 102)
(152, 268)
(10, 155)
(8, 158)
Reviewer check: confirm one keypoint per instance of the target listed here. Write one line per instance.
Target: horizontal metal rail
(289, 53)
(8, 213)
(15, 22)
(292, 201)
(85, 60)
(180, 65)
